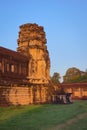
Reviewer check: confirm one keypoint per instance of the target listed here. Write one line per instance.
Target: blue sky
(65, 24)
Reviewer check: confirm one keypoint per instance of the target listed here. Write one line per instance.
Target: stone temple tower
(32, 43)
(26, 77)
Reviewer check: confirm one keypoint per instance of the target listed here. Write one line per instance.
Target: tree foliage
(55, 78)
(74, 75)
(79, 79)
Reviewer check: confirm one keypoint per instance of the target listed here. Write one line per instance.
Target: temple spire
(32, 43)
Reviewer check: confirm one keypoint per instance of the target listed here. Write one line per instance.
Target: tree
(55, 78)
(74, 75)
(86, 70)
(71, 74)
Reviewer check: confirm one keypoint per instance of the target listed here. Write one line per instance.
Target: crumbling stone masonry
(32, 43)
(25, 74)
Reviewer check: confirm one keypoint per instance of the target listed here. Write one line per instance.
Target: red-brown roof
(74, 85)
(13, 54)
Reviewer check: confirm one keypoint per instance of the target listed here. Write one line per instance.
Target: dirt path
(69, 122)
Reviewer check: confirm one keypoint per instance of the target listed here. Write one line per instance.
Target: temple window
(15, 68)
(7, 67)
(24, 71)
(0, 65)
(20, 69)
(12, 68)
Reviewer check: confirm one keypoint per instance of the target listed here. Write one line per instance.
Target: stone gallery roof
(74, 85)
(15, 55)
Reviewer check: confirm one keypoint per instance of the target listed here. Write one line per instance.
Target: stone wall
(23, 95)
(78, 90)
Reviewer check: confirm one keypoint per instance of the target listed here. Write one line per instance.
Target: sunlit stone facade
(32, 43)
(25, 73)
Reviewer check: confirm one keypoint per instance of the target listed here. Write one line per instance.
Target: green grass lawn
(45, 117)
